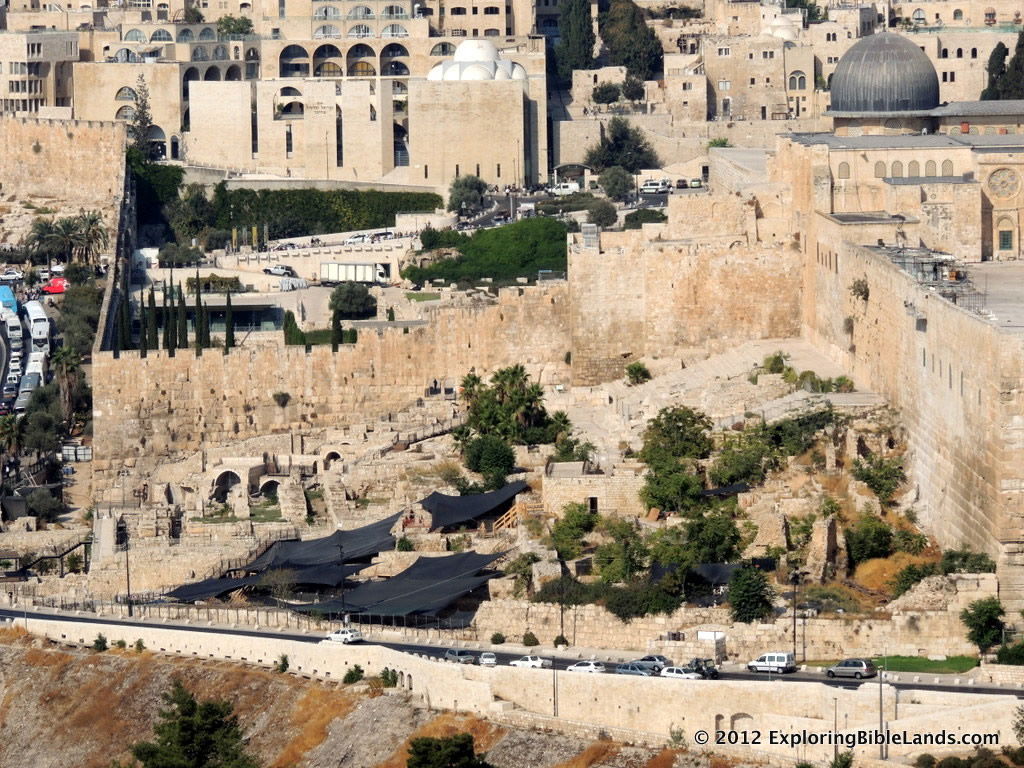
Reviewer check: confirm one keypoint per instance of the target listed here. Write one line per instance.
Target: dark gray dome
(884, 73)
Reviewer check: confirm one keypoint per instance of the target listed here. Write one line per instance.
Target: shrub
(605, 93)
(925, 761)
(354, 675)
(870, 537)
(911, 575)
(883, 476)
(909, 541)
(389, 678)
(602, 213)
(490, 455)
(1015, 754)
(139, 646)
(719, 143)
(750, 595)
(1011, 654)
(530, 640)
(497, 638)
(282, 664)
(405, 545)
(842, 760)
(859, 289)
(637, 373)
(561, 640)
(567, 534)
(121, 644)
(100, 643)
(638, 218)
(965, 561)
(616, 182)
(983, 619)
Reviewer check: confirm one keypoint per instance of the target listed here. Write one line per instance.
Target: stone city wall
(158, 408)
(958, 382)
(647, 705)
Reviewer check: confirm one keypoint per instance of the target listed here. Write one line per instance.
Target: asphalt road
(505, 658)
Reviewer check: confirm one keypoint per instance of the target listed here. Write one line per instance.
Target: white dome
(436, 72)
(518, 72)
(477, 71)
(501, 72)
(476, 50)
(452, 71)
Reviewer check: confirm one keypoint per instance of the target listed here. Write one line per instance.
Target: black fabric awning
(209, 588)
(427, 586)
(446, 510)
(355, 544)
(330, 575)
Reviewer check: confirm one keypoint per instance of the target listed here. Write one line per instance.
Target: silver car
(855, 668)
(632, 668)
(459, 655)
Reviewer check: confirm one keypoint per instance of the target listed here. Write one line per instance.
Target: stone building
(35, 70)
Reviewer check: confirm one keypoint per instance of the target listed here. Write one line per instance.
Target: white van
(565, 188)
(776, 661)
(654, 187)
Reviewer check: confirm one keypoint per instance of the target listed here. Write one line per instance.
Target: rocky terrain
(75, 707)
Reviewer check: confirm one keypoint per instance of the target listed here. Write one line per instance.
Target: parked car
(10, 275)
(344, 636)
(653, 663)
(593, 667)
(43, 273)
(855, 668)
(706, 667)
(57, 268)
(776, 661)
(533, 662)
(281, 270)
(680, 183)
(696, 183)
(356, 240)
(564, 188)
(488, 659)
(54, 285)
(11, 388)
(654, 187)
(632, 668)
(460, 655)
(501, 217)
(682, 673)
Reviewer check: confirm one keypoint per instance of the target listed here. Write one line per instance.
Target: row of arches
(361, 12)
(211, 74)
(944, 53)
(896, 169)
(359, 30)
(163, 36)
(359, 61)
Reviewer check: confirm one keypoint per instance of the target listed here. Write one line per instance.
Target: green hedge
(504, 253)
(298, 212)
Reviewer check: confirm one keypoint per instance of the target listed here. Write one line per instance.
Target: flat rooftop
(979, 143)
(1002, 283)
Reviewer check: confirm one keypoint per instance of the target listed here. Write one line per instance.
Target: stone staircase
(292, 500)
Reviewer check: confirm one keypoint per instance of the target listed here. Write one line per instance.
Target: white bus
(39, 326)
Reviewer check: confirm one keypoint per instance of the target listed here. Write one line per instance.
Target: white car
(593, 667)
(533, 662)
(356, 239)
(682, 673)
(487, 659)
(10, 275)
(344, 636)
(57, 269)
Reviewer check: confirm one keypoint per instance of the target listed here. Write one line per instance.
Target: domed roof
(476, 50)
(884, 73)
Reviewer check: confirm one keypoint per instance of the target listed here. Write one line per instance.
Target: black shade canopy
(446, 511)
(331, 575)
(355, 544)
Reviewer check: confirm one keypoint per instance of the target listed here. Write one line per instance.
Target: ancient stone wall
(617, 495)
(958, 382)
(162, 407)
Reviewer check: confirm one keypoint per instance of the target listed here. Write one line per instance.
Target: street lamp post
(881, 727)
(341, 558)
(794, 579)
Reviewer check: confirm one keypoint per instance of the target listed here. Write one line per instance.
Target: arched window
(135, 36)
(944, 53)
(442, 49)
(252, 55)
(919, 16)
(220, 53)
(913, 169)
(897, 170)
(492, 32)
(947, 167)
(360, 30)
(361, 69)
(186, 36)
(288, 91)
(844, 171)
(293, 109)
(161, 36)
(879, 170)
(292, 61)
(190, 74)
(361, 51)
(492, 10)
(199, 54)
(359, 12)
(327, 30)
(126, 94)
(797, 81)
(327, 51)
(234, 73)
(125, 113)
(207, 33)
(373, 114)
(959, 53)
(394, 30)
(958, 15)
(212, 74)
(974, 53)
(458, 11)
(328, 69)
(330, 12)
(394, 69)
(929, 168)
(393, 50)
(394, 12)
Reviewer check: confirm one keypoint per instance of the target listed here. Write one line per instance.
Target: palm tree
(66, 363)
(509, 381)
(93, 236)
(471, 387)
(66, 237)
(42, 239)
(10, 434)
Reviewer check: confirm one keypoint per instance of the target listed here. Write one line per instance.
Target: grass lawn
(419, 296)
(953, 665)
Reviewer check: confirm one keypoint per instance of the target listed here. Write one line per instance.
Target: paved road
(502, 657)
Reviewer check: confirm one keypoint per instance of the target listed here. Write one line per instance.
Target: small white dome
(518, 72)
(476, 50)
(452, 71)
(477, 71)
(436, 72)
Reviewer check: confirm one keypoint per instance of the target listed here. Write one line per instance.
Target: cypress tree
(197, 327)
(229, 327)
(170, 328)
(182, 321)
(166, 316)
(1011, 85)
(337, 336)
(206, 325)
(152, 321)
(144, 335)
(996, 69)
(576, 47)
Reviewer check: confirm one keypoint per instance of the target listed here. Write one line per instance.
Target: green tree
(605, 93)
(637, 373)
(93, 236)
(466, 193)
(575, 49)
(190, 213)
(228, 26)
(625, 555)
(679, 432)
(616, 182)
(42, 241)
(337, 336)
(452, 752)
(670, 486)
(194, 734)
(229, 326)
(870, 537)
(602, 213)
(193, 15)
(490, 456)
(750, 595)
(66, 364)
(624, 145)
(712, 538)
(569, 531)
(996, 70)
(44, 505)
(632, 89)
(142, 121)
(882, 475)
(10, 434)
(641, 216)
(630, 42)
(984, 621)
(152, 321)
(1011, 84)
(352, 300)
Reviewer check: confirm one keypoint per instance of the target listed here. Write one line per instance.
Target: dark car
(501, 217)
(681, 184)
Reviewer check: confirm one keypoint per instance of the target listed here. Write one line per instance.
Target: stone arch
(401, 679)
(199, 54)
(223, 484)
(330, 458)
(192, 73)
(157, 142)
(213, 73)
(958, 15)
(293, 61)
(879, 170)
(186, 36)
(913, 169)
(207, 33)
(442, 49)
(929, 168)
(125, 113)
(897, 170)
(947, 167)
(234, 73)
(408, 681)
(135, 36)
(126, 94)
(270, 487)
(161, 36)
(740, 721)
(843, 171)
(220, 53)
